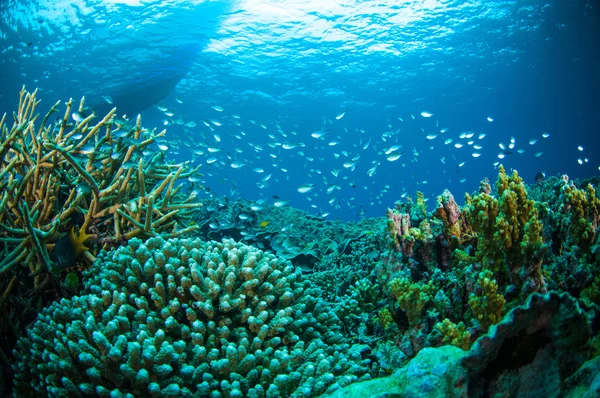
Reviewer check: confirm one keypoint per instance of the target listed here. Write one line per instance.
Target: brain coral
(185, 317)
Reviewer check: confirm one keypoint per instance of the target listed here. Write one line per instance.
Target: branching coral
(184, 317)
(448, 211)
(94, 172)
(99, 178)
(412, 297)
(456, 335)
(582, 210)
(487, 304)
(508, 232)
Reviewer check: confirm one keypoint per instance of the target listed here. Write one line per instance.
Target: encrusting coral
(184, 317)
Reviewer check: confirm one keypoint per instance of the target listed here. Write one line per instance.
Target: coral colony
(117, 284)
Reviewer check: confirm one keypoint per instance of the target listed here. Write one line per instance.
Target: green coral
(186, 317)
(453, 334)
(411, 297)
(488, 305)
(591, 294)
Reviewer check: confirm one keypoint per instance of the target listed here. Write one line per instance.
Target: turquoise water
(245, 87)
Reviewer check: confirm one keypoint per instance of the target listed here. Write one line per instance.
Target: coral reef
(508, 232)
(178, 317)
(488, 305)
(66, 187)
(535, 350)
(498, 297)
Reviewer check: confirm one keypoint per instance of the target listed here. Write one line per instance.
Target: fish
(68, 248)
(490, 119)
(217, 108)
(341, 115)
(540, 176)
(305, 188)
(395, 156)
(281, 203)
(263, 224)
(78, 116)
(237, 165)
(319, 134)
(332, 187)
(426, 114)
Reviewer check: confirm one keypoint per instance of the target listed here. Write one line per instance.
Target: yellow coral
(489, 306)
(508, 231)
(384, 318)
(582, 208)
(453, 334)
(412, 297)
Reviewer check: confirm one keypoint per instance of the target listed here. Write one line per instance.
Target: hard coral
(508, 232)
(184, 317)
(487, 304)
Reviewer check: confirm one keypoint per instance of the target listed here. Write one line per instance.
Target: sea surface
(338, 108)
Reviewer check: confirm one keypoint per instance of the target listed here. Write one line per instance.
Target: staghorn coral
(94, 172)
(184, 317)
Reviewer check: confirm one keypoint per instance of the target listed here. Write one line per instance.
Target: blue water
(293, 66)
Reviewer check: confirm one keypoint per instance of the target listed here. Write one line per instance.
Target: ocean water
(244, 87)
